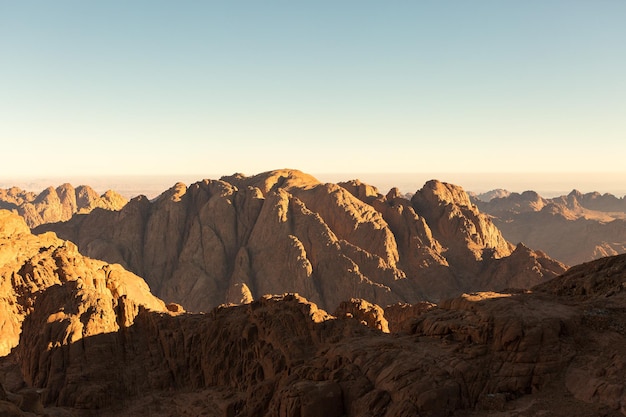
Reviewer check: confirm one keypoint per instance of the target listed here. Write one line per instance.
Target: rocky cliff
(57, 204)
(558, 350)
(574, 228)
(31, 266)
(239, 238)
(94, 341)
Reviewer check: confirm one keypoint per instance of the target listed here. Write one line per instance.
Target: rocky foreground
(238, 238)
(95, 342)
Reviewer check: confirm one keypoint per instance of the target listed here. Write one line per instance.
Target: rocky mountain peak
(575, 194)
(437, 193)
(362, 191)
(266, 181)
(235, 239)
(457, 223)
(175, 193)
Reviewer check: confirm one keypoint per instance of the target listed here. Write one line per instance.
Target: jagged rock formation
(401, 315)
(557, 350)
(94, 339)
(31, 266)
(573, 229)
(238, 238)
(367, 313)
(57, 204)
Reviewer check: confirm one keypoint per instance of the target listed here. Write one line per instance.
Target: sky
(183, 88)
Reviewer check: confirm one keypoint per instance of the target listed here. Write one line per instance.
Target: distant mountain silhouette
(573, 228)
(57, 204)
(490, 195)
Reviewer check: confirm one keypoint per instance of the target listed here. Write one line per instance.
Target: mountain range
(321, 299)
(57, 204)
(238, 238)
(93, 341)
(574, 228)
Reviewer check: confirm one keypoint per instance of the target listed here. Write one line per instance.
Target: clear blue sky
(192, 87)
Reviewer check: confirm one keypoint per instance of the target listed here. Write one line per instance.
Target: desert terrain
(279, 295)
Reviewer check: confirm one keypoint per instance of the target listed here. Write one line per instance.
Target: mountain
(31, 266)
(94, 341)
(574, 228)
(490, 195)
(238, 238)
(90, 345)
(57, 204)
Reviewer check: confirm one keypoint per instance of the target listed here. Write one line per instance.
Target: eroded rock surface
(31, 265)
(548, 351)
(94, 340)
(238, 238)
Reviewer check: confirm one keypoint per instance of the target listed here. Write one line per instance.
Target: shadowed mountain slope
(238, 238)
(558, 350)
(30, 265)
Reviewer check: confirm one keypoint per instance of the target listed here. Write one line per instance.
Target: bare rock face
(512, 271)
(370, 314)
(401, 315)
(31, 265)
(458, 224)
(94, 338)
(238, 238)
(78, 315)
(60, 204)
(556, 350)
(10, 225)
(596, 375)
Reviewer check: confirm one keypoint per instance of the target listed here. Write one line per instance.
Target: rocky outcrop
(94, 339)
(32, 265)
(573, 229)
(400, 316)
(596, 375)
(367, 313)
(458, 224)
(57, 204)
(517, 353)
(238, 238)
(600, 279)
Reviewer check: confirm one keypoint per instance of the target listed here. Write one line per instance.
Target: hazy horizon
(177, 88)
(546, 184)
